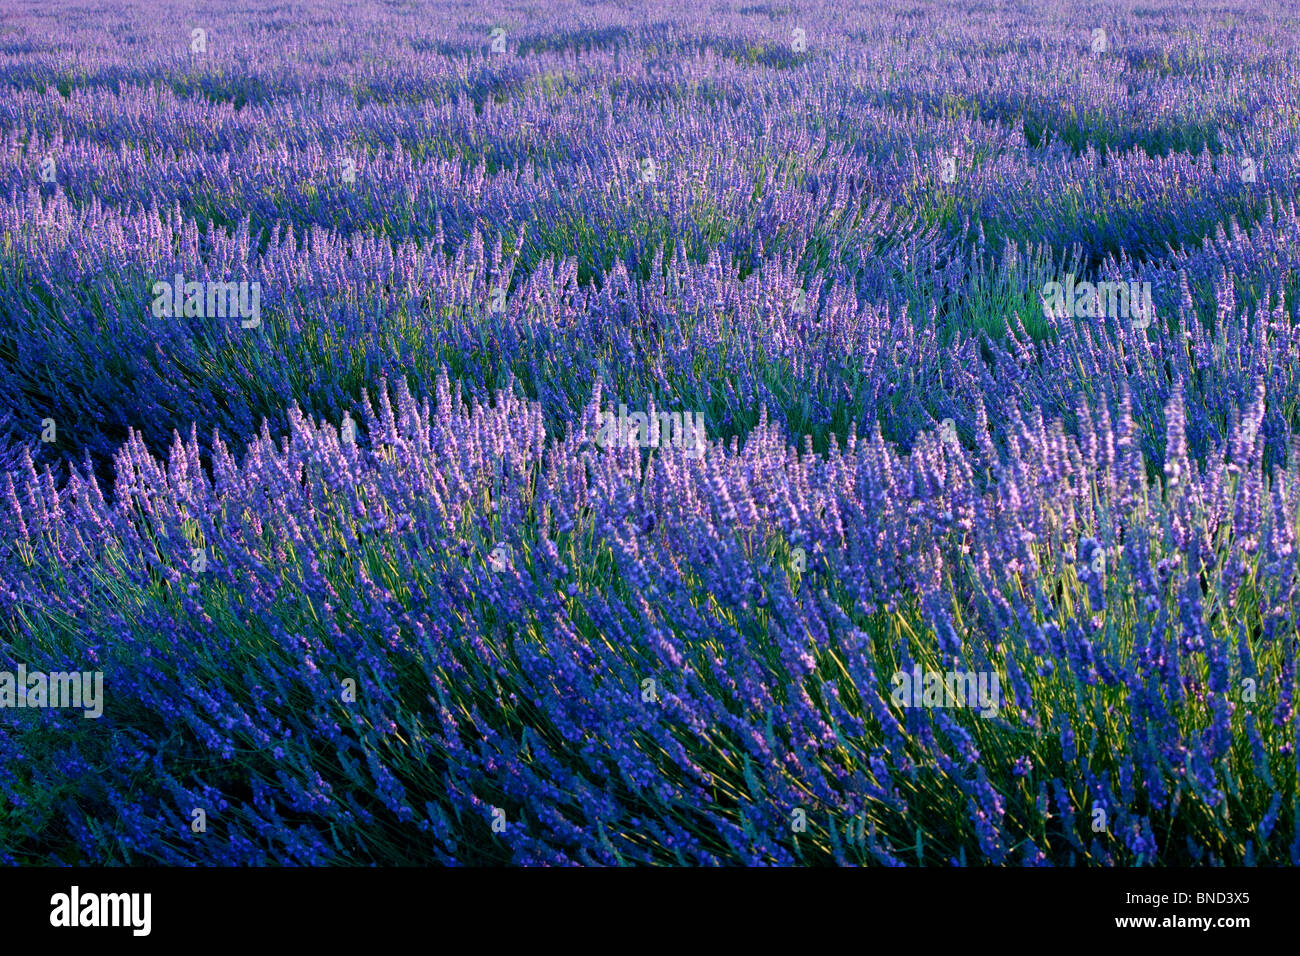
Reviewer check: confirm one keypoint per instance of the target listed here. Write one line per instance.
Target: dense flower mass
(603, 435)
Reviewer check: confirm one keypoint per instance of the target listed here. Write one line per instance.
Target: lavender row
(115, 326)
(567, 650)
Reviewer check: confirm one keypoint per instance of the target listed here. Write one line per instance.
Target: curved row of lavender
(370, 574)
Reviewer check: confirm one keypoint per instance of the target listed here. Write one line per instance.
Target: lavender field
(790, 432)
